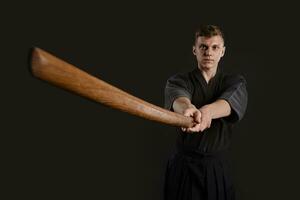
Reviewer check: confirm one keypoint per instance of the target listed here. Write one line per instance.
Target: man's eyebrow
(202, 44)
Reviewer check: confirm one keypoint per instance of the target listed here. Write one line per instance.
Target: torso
(218, 136)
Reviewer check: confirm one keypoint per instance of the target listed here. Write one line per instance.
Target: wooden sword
(49, 68)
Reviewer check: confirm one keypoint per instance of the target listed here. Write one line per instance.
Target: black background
(59, 145)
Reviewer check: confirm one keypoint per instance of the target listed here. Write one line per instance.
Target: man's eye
(203, 47)
(215, 47)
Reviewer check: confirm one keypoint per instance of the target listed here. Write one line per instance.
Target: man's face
(209, 51)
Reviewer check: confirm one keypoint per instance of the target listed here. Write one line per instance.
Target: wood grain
(64, 75)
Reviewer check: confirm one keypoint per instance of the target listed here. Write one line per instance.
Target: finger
(190, 130)
(187, 113)
(203, 123)
(203, 126)
(209, 124)
(194, 129)
(197, 116)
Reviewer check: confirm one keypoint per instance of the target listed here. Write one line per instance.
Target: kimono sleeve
(235, 93)
(178, 85)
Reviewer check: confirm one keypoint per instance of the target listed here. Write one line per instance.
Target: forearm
(181, 104)
(218, 109)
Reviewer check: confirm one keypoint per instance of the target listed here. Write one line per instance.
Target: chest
(203, 92)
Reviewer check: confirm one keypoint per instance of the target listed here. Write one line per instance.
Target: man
(216, 101)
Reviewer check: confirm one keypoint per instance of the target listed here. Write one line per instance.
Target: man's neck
(208, 73)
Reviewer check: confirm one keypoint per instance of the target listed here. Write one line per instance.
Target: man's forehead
(214, 40)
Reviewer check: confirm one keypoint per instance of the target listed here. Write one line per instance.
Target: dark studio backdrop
(59, 145)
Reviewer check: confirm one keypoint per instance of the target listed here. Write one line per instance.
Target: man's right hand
(193, 112)
(183, 105)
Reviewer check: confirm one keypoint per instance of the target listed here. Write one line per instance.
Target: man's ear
(223, 51)
(194, 50)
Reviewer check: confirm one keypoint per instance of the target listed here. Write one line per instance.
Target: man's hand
(202, 117)
(206, 118)
(193, 112)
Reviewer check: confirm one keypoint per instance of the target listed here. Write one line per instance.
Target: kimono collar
(198, 73)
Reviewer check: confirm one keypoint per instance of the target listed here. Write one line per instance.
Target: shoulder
(229, 79)
(182, 79)
(180, 76)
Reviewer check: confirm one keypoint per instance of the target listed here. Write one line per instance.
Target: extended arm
(204, 115)
(183, 105)
(218, 109)
(231, 104)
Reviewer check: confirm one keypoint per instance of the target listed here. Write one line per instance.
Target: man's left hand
(206, 118)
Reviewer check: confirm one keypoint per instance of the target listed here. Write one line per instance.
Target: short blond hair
(208, 31)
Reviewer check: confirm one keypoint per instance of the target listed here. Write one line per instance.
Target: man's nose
(208, 52)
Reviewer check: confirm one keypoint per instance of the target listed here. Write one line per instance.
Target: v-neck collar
(201, 78)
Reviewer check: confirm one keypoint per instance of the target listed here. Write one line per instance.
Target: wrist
(207, 109)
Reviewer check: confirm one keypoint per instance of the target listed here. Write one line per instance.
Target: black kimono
(199, 169)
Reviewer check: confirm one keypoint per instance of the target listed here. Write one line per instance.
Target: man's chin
(208, 66)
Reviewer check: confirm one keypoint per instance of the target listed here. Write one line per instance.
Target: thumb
(197, 116)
